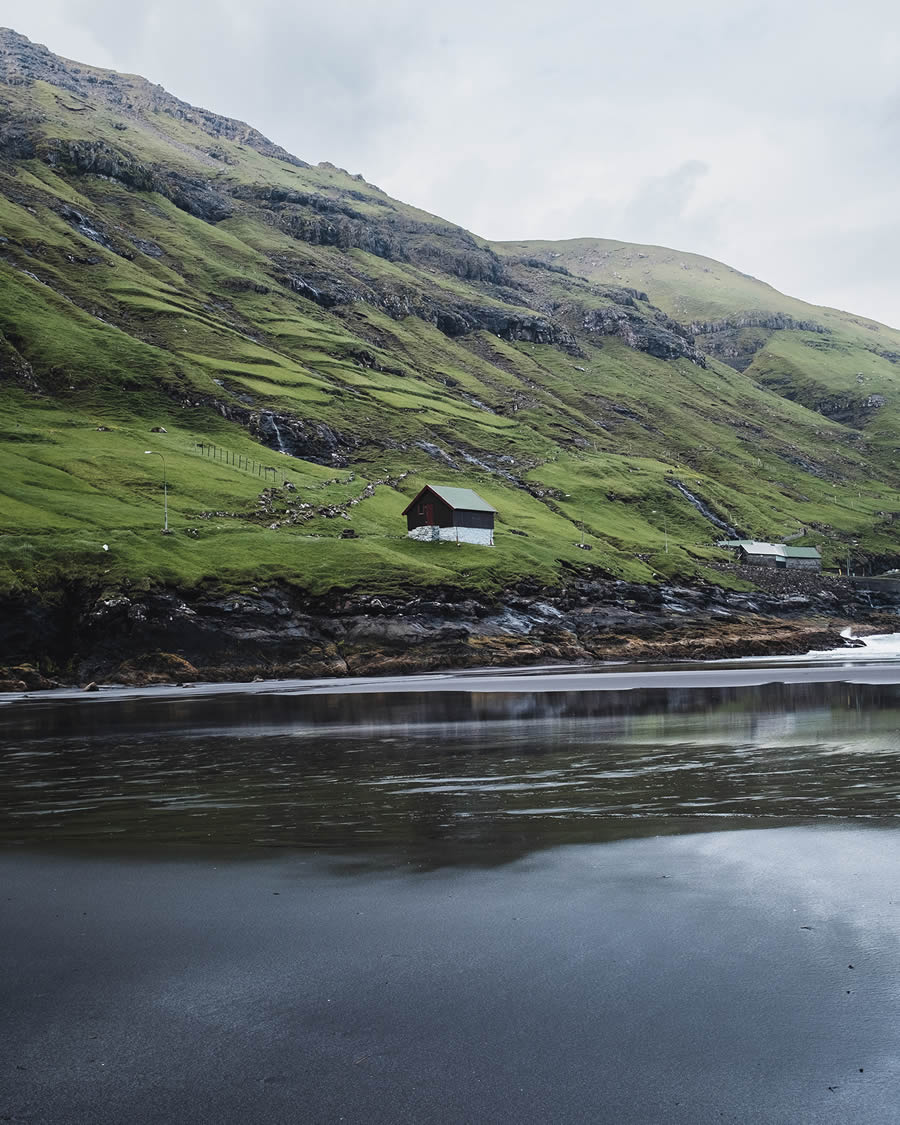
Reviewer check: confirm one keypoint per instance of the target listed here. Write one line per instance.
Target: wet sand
(692, 979)
(460, 898)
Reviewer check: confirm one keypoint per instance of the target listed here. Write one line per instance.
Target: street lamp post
(154, 453)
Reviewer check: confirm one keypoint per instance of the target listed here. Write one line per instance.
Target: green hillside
(315, 351)
(836, 363)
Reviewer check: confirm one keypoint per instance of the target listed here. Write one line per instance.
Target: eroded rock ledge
(165, 636)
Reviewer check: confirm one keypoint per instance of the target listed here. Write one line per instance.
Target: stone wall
(483, 536)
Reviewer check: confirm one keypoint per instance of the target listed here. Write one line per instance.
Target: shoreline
(879, 665)
(170, 636)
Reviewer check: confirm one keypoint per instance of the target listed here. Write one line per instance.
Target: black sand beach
(668, 897)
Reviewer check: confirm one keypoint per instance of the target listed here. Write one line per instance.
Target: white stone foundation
(483, 536)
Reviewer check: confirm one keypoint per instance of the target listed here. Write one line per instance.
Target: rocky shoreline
(171, 636)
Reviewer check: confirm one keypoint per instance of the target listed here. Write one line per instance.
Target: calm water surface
(662, 897)
(444, 769)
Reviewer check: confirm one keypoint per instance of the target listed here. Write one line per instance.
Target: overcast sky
(762, 134)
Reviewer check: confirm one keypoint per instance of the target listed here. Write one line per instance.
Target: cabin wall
(803, 564)
(465, 517)
(441, 513)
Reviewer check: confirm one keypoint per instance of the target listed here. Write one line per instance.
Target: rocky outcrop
(98, 159)
(170, 635)
(322, 220)
(285, 433)
(850, 408)
(195, 196)
(312, 441)
(23, 62)
(659, 336)
(454, 319)
(771, 321)
(15, 369)
(325, 291)
(17, 138)
(736, 340)
(463, 319)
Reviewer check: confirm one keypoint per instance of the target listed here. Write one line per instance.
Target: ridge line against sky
(763, 135)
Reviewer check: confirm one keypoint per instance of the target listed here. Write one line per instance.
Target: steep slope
(843, 366)
(314, 351)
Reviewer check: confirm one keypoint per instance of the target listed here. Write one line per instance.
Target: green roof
(456, 497)
(461, 498)
(801, 552)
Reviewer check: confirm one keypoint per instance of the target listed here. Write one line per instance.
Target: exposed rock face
(736, 341)
(95, 158)
(168, 635)
(660, 337)
(313, 441)
(463, 319)
(13, 368)
(22, 61)
(772, 322)
(848, 407)
(323, 221)
(324, 291)
(190, 194)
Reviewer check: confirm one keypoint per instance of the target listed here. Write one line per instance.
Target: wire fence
(224, 456)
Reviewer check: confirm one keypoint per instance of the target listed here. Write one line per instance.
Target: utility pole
(154, 453)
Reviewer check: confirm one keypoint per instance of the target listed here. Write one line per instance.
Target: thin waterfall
(278, 438)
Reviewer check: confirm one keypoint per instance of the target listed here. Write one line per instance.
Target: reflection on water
(509, 772)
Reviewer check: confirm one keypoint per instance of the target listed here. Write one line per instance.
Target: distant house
(451, 515)
(752, 553)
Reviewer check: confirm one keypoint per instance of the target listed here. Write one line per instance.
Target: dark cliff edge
(166, 635)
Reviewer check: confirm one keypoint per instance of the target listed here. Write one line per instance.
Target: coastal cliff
(163, 636)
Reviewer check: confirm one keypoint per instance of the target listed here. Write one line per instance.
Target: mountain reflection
(447, 777)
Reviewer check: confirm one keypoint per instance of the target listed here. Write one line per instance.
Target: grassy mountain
(315, 351)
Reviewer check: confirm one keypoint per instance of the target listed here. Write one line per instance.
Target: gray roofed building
(754, 553)
(445, 513)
